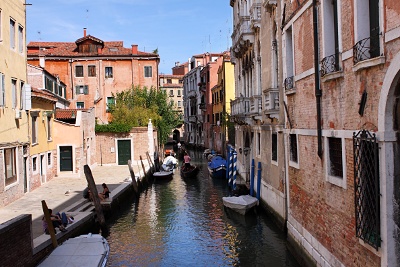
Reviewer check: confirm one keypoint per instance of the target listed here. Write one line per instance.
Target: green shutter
(77, 91)
(86, 90)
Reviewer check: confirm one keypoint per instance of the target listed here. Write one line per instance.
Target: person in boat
(106, 192)
(55, 220)
(179, 145)
(186, 160)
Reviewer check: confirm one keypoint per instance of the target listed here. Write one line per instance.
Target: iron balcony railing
(330, 64)
(289, 83)
(366, 48)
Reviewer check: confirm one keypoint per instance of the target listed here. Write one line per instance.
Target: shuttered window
(2, 91)
(148, 71)
(82, 89)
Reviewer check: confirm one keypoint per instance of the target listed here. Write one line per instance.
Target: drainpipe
(318, 92)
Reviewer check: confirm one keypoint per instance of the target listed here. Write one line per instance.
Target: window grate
(366, 188)
(289, 83)
(330, 64)
(366, 48)
(293, 148)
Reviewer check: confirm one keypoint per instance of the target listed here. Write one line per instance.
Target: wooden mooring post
(50, 226)
(134, 183)
(144, 169)
(96, 200)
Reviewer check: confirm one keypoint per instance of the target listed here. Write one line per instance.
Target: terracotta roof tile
(42, 94)
(67, 113)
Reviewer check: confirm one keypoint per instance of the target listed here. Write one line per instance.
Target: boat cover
(86, 250)
(217, 161)
(240, 204)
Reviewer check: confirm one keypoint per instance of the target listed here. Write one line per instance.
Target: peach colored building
(93, 69)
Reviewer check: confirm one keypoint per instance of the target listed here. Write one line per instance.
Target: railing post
(259, 181)
(234, 170)
(227, 162)
(252, 177)
(230, 166)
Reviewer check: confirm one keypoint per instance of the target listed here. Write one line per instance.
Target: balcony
(366, 48)
(242, 33)
(330, 64)
(271, 102)
(255, 14)
(192, 94)
(240, 110)
(256, 105)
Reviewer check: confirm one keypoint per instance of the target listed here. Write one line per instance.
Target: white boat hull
(240, 204)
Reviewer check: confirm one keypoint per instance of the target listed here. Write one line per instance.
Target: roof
(67, 113)
(43, 95)
(171, 85)
(70, 49)
(171, 76)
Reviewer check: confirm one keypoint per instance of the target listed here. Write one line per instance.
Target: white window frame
(110, 74)
(49, 128)
(289, 53)
(14, 167)
(35, 126)
(338, 181)
(14, 96)
(2, 90)
(35, 165)
(80, 102)
(1, 25)
(21, 42)
(12, 34)
(258, 144)
(49, 157)
(328, 32)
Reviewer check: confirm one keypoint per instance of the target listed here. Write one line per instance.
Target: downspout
(72, 79)
(318, 92)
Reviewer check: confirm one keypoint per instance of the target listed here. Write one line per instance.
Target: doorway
(124, 151)
(65, 158)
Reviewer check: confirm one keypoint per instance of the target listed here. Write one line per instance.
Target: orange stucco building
(93, 69)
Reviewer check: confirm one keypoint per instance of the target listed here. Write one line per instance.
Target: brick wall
(16, 242)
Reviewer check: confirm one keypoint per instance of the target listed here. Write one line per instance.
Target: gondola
(189, 172)
(217, 166)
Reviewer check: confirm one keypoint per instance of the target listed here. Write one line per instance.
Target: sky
(179, 29)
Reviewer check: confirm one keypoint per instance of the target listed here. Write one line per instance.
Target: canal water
(183, 222)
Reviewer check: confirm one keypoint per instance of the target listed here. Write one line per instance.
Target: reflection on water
(183, 222)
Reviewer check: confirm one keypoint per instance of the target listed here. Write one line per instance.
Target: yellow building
(43, 148)
(14, 102)
(222, 94)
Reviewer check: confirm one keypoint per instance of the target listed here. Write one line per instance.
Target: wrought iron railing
(366, 48)
(366, 188)
(289, 83)
(330, 64)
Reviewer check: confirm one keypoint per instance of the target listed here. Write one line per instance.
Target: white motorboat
(241, 204)
(85, 250)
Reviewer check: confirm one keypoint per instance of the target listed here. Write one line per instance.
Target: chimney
(84, 32)
(41, 61)
(134, 49)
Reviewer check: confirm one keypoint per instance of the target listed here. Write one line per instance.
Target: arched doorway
(176, 136)
(389, 133)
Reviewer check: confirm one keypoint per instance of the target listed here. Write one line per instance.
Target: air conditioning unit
(17, 114)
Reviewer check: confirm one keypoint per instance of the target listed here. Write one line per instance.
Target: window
(274, 145)
(148, 71)
(49, 159)
(48, 84)
(82, 89)
(92, 71)
(78, 71)
(171, 92)
(10, 165)
(110, 103)
(1, 26)
(179, 104)
(21, 43)
(258, 144)
(109, 72)
(366, 188)
(34, 164)
(49, 128)
(289, 81)
(14, 93)
(330, 62)
(169, 80)
(367, 30)
(293, 148)
(80, 104)
(21, 96)
(179, 92)
(2, 91)
(34, 128)
(12, 34)
(335, 164)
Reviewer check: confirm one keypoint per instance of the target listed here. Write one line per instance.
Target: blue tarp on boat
(217, 161)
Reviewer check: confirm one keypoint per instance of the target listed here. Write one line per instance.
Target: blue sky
(178, 28)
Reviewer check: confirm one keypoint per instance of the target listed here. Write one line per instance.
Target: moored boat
(84, 250)
(241, 204)
(217, 166)
(164, 175)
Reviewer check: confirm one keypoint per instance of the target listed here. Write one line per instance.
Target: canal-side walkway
(62, 193)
